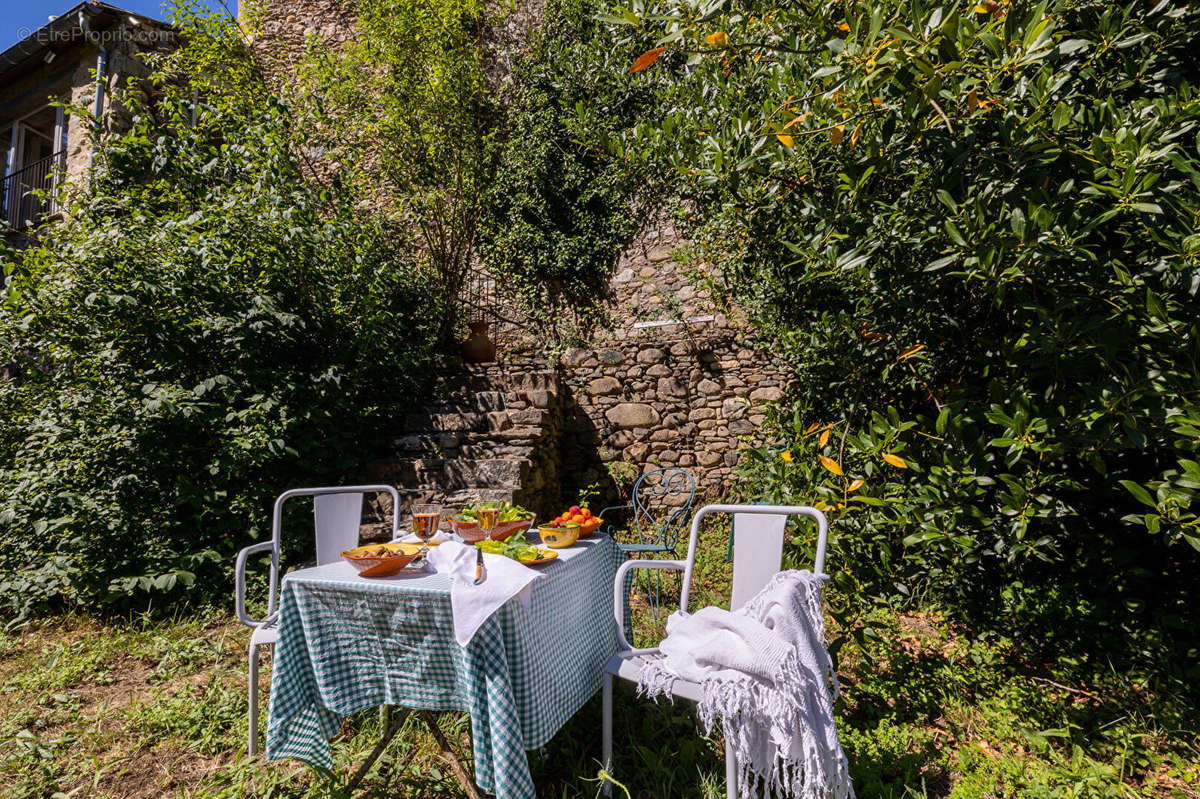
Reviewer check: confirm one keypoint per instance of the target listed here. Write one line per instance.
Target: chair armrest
(609, 526)
(619, 597)
(239, 593)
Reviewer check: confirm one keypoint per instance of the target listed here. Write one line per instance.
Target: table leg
(389, 731)
(460, 772)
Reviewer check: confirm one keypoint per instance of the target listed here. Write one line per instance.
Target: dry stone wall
(656, 403)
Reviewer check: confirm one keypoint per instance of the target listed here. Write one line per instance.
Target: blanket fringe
(781, 729)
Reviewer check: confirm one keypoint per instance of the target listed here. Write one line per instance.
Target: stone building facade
(45, 145)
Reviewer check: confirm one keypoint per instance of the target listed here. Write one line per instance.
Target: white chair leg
(253, 730)
(731, 781)
(607, 730)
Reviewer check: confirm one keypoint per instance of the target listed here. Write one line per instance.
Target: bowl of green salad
(510, 519)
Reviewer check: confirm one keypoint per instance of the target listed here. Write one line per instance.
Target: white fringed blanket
(766, 673)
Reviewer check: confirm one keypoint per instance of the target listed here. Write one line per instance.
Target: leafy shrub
(559, 210)
(972, 229)
(208, 327)
(401, 111)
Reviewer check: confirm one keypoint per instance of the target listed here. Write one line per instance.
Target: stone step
(513, 442)
(497, 378)
(452, 474)
(433, 423)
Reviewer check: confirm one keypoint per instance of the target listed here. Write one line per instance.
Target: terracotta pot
(478, 348)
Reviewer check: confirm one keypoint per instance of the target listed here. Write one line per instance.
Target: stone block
(733, 409)
(708, 458)
(659, 370)
(673, 420)
(766, 394)
(669, 387)
(632, 414)
(575, 356)
(603, 386)
(637, 452)
(610, 356)
(659, 254)
(540, 398)
(650, 355)
(709, 387)
(681, 348)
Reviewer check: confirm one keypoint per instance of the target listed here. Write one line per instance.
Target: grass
(141, 708)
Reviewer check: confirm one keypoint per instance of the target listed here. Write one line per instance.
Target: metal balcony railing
(27, 195)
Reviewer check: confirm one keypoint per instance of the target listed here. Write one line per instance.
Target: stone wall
(281, 29)
(655, 403)
(650, 286)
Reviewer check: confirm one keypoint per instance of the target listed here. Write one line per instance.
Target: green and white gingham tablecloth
(347, 643)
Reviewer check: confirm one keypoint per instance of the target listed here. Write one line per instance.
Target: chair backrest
(673, 488)
(336, 519)
(757, 546)
(757, 553)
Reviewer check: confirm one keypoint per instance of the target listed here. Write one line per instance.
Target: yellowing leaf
(837, 134)
(980, 8)
(895, 460)
(844, 27)
(854, 136)
(972, 100)
(784, 139)
(786, 456)
(854, 486)
(719, 39)
(646, 59)
(831, 465)
(876, 101)
(797, 120)
(911, 351)
(824, 439)
(812, 427)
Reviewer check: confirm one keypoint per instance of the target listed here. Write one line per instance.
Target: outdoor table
(347, 643)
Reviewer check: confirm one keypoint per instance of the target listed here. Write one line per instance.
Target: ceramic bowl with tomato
(559, 535)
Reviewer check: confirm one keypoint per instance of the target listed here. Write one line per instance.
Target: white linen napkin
(411, 538)
(472, 604)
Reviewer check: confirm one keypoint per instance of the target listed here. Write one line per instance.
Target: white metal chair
(337, 515)
(758, 535)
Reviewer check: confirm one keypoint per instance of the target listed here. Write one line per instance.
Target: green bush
(559, 210)
(208, 327)
(973, 232)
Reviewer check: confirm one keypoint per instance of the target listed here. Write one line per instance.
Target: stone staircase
(491, 432)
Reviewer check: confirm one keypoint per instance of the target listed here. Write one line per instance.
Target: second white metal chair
(758, 536)
(337, 516)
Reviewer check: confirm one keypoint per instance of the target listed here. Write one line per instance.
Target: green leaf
(1139, 493)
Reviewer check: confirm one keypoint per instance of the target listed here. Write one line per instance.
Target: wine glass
(425, 520)
(488, 515)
